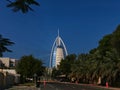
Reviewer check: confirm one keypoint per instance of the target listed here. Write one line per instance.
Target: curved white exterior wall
(59, 55)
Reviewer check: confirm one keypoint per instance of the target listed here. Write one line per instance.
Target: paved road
(66, 86)
(22, 88)
(60, 86)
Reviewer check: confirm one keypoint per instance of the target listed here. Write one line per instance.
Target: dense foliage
(100, 65)
(28, 66)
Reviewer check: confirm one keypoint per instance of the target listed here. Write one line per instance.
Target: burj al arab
(58, 52)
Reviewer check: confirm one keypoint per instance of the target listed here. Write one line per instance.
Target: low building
(8, 77)
(7, 68)
(14, 73)
(7, 62)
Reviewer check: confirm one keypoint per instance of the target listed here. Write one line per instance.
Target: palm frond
(23, 5)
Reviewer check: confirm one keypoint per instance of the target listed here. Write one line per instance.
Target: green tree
(106, 58)
(102, 62)
(116, 39)
(28, 66)
(105, 44)
(80, 69)
(65, 64)
(65, 67)
(105, 66)
(4, 43)
(55, 72)
(22, 5)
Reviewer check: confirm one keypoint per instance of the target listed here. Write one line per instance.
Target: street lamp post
(35, 78)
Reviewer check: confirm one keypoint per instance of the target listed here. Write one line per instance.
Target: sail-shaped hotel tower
(58, 52)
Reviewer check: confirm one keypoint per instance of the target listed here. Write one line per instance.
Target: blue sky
(82, 23)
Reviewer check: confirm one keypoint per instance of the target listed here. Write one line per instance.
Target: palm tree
(4, 42)
(23, 5)
(81, 68)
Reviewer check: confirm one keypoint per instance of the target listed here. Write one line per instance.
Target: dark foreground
(61, 86)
